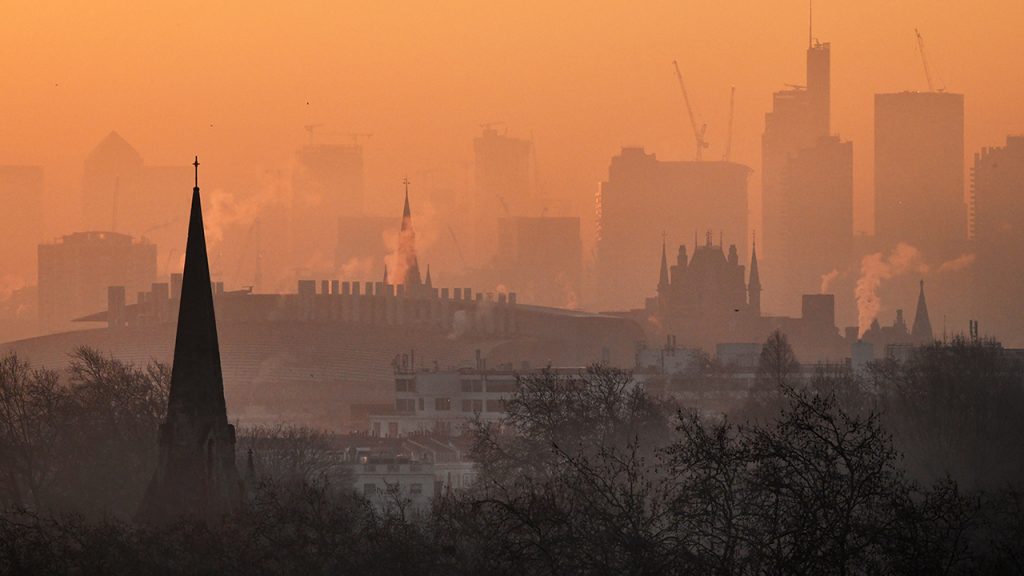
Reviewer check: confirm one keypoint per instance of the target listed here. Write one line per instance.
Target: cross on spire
(406, 182)
(196, 164)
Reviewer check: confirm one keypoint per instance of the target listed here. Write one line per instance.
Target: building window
(405, 404)
(472, 386)
(495, 405)
(469, 405)
(421, 404)
(442, 404)
(416, 489)
(507, 386)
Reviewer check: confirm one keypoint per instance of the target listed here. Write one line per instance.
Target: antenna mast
(728, 141)
(810, 23)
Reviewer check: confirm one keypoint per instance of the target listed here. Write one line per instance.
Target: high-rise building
(919, 173)
(541, 259)
(327, 183)
(503, 171)
(800, 117)
(21, 191)
(815, 234)
(997, 193)
(121, 193)
(806, 186)
(75, 272)
(644, 198)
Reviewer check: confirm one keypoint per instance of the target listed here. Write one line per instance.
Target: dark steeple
(922, 330)
(427, 281)
(407, 244)
(663, 277)
(196, 474)
(754, 283)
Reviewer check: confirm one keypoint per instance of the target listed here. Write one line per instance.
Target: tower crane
(924, 62)
(728, 139)
(698, 133)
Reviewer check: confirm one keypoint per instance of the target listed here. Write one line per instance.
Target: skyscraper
(919, 172)
(815, 234)
(504, 173)
(503, 170)
(196, 474)
(121, 193)
(806, 187)
(541, 259)
(327, 183)
(645, 197)
(997, 191)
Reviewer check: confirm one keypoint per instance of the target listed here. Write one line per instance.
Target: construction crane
(698, 133)
(458, 248)
(924, 61)
(728, 139)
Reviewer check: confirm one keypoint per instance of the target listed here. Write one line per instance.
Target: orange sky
(231, 80)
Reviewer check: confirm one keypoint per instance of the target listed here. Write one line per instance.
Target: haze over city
(462, 287)
(423, 78)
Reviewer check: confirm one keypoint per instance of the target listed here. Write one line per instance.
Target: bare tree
(33, 409)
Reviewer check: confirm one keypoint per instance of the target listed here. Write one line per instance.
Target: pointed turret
(196, 474)
(427, 281)
(754, 283)
(922, 330)
(385, 274)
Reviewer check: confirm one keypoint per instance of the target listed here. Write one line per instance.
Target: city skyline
(447, 108)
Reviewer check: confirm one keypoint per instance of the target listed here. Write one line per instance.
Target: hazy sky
(236, 81)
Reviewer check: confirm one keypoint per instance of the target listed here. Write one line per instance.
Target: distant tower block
(196, 474)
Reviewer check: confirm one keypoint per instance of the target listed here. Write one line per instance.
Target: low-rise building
(446, 402)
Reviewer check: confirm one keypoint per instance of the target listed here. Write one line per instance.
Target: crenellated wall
(459, 311)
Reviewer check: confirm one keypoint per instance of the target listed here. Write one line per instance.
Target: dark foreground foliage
(589, 476)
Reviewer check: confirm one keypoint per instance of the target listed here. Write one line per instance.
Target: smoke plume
(357, 268)
(876, 268)
(957, 264)
(9, 284)
(827, 280)
(225, 210)
(406, 246)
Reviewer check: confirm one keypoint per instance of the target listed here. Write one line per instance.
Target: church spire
(754, 283)
(406, 213)
(196, 474)
(922, 330)
(427, 281)
(407, 244)
(663, 277)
